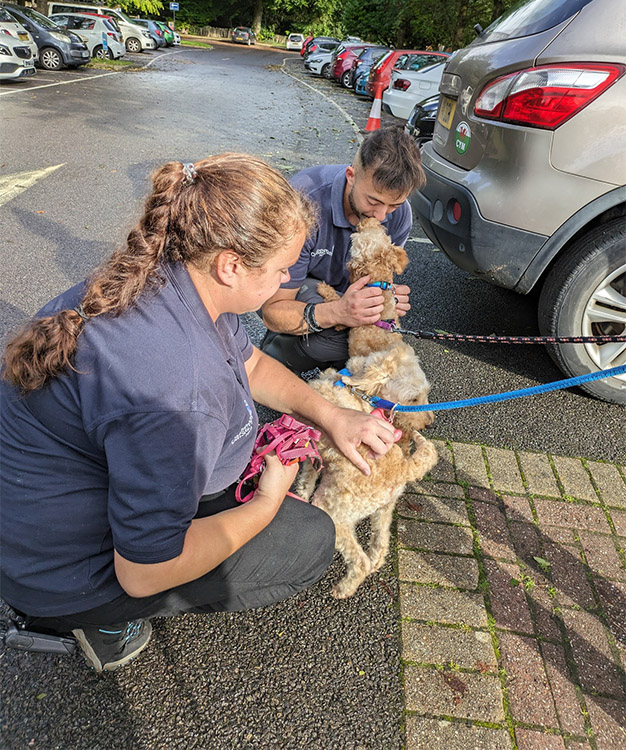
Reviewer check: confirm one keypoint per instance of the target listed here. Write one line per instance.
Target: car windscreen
(38, 18)
(527, 17)
(379, 62)
(6, 17)
(141, 22)
(417, 62)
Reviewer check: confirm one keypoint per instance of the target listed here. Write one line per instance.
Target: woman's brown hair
(230, 201)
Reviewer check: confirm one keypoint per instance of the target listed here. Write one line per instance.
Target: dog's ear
(400, 259)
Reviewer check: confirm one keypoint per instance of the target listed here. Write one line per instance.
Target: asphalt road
(311, 672)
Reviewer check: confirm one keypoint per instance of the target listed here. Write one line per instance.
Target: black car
(421, 122)
(243, 35)
(56, 46)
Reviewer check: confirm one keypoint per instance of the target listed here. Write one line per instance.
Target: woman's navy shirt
(116, 453)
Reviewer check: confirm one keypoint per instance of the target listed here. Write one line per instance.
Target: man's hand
(402, 299)
(360, 305)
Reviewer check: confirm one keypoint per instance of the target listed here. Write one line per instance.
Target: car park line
(85, 78)
(12, 185)
(355, 127)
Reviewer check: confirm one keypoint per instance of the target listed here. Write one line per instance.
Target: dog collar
(377, 403)
(388, 325)
(384, 285)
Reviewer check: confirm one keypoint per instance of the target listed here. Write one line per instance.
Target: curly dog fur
(373, 253)
(344, 492)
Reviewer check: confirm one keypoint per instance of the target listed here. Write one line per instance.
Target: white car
(177, 40)
(93, 30)
(10, 26)
(320, 63)
(16, 58)
(295, 41)
(408, 87)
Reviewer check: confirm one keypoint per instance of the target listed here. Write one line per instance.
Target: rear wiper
(478, 29)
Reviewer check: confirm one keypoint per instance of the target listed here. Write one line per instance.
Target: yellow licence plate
(23, 37)
(446, 111)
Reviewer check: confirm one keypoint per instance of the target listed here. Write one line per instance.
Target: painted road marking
(14, 184)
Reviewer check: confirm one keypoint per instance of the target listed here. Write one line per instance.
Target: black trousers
(329, 348)
(292, 553)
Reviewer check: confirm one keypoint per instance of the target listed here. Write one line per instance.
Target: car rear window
(527, 17)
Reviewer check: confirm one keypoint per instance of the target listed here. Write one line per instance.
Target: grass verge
(109, 64)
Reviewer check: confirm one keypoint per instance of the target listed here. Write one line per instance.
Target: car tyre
(50, 59)
(346, 79)
(133, 45)
(100, 54)
(326, 71)
(585, 295)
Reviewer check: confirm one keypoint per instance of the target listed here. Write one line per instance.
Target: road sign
(174, 6)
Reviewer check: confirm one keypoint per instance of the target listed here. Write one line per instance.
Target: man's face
(365, 200)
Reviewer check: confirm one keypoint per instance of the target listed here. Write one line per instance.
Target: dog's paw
(343, 589)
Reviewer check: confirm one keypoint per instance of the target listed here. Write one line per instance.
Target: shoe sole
(94, 661)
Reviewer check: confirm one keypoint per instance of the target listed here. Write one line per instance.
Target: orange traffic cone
(374, 119)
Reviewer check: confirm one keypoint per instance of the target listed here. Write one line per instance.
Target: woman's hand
(349, 428)
(275, 480)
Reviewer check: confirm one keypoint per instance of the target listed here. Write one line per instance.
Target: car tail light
(401, 84)
(546, 96)
(111, 34)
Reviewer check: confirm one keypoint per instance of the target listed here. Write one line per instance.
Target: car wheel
(346, 79)
(133, 45)
(326, 71)
(50, 59)
(100, 54)
(585, 295)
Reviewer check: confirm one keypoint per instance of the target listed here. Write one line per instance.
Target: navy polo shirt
(116, 453)
(326, 252)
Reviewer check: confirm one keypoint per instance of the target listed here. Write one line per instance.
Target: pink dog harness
(291, 440)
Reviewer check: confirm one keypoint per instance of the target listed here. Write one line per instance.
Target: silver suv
(527, 171)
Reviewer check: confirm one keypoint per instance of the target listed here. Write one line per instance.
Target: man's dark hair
(393, 158)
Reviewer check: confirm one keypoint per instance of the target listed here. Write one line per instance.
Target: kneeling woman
(128, 417)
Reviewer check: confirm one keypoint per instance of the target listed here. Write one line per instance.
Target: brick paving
(512, 569)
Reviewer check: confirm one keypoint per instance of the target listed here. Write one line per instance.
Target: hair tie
(189, 174)
(82, 313)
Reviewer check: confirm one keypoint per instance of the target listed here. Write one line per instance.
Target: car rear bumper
(497, 253)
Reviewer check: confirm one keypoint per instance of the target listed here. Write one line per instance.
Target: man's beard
(353, 207)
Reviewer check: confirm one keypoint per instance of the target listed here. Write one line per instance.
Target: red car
(342, 67)
(304, 44)
(380, 72)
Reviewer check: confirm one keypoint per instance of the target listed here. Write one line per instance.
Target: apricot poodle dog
(343, 492)
(372, 252)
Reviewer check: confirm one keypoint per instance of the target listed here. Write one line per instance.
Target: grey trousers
(292, 553)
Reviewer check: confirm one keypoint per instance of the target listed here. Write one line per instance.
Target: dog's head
(394, 374)
(373, 253)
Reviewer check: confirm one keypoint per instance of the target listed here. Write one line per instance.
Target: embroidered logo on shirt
(320, 251)
(247, 428)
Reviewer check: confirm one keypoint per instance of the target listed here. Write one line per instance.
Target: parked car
(136, 38)
(243, 35)
(319, 62)
(16, 57)
(295, 42)
(421, 122)
(380, 73)
(409, 87)
(177, 40)
(342, 63)
(155, 31)
(91, 29)
(307, 39)
(364, 61)
(526, 171)
(56, 47)
(168, 33)
(315, 42)
(10, 26)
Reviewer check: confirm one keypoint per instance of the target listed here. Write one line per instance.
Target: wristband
(309, 318)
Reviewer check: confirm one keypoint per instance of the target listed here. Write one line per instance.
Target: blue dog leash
(382, 403)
